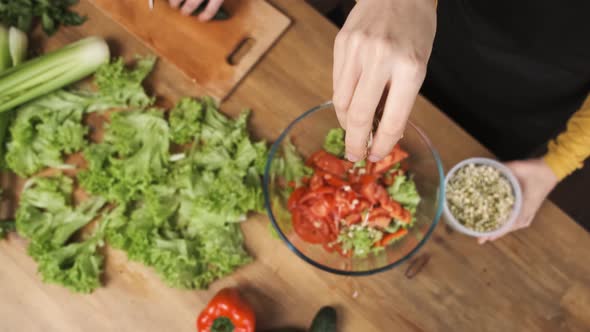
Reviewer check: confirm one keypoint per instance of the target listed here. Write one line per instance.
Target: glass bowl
(307, 133)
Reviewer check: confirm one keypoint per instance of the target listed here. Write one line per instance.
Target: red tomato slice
(319, 208)
(310, 229)
(396, 155)
(405, 216)
(334, 180)
(394, 209)
(295, 197)
(330, 163)
(316, 182)
(381, 222)
(352, 219)
(374, 193)
(389, 238)
(379, 217)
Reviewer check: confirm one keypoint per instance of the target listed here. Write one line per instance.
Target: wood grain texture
(533, 280)
(205, 47)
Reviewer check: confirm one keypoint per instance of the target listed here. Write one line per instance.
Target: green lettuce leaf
(50, 127)
(334, 142)
(404, 191)
(360, 240)
(134, 154)
(47, 218)
(185, 120)
(123, 85)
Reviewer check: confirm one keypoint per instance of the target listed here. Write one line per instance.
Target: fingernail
(352, 157)
(374, 158)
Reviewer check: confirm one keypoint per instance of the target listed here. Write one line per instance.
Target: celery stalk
(52, 71)
(5, 61)
(18, 44)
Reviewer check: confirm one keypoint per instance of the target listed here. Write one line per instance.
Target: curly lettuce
(46, 216)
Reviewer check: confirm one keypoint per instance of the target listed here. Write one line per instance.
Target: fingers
(175, 3)
(346, 83)
(190, 6)
(341, 99)
(523, 222)
(359, 118)
(211, 10)
(400, 100)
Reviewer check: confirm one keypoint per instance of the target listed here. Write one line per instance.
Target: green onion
(51, 71)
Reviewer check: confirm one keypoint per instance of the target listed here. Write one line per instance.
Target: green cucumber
(324, 321)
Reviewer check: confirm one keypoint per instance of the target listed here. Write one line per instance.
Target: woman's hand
(190, 6)
(384, 43)
(537, 180)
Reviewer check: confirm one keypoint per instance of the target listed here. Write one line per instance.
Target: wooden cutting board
(216, 55)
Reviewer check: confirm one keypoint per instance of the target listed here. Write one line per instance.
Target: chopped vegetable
(227, 312)
(51, 72)
(176, 213)
(347, 208)
(5, 59)
(185, 120)
(18, 43)
(178, 217)
(334, 142)
(51, 126)
(52, 14)
(403, 190)
(359, 240)
(47, 218)
(123, 85)
(134, 155)
(480, 197)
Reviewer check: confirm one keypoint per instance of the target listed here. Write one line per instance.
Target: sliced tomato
(394, 209)
(353, 219)
(316, 182)
(319, 193)
(363, 205)
(405, 216)
(374, 192)
(379, 217)
(394, 157)
(319, 208)
(295, 197)
(334, 180)
(392, 237)
(310, 229)
(330, 163)
(381, 222)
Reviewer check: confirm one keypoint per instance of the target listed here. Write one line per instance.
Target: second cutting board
(216, 55)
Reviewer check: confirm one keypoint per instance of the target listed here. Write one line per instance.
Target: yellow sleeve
(568, 152)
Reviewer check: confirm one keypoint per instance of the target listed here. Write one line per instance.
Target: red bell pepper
(227, 312)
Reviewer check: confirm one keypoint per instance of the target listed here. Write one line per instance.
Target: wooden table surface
(534, 280)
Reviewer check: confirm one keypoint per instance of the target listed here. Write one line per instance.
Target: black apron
(510, 72)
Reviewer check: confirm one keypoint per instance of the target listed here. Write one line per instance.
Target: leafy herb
(51, 13)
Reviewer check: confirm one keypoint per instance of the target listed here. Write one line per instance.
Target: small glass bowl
(507, 173)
